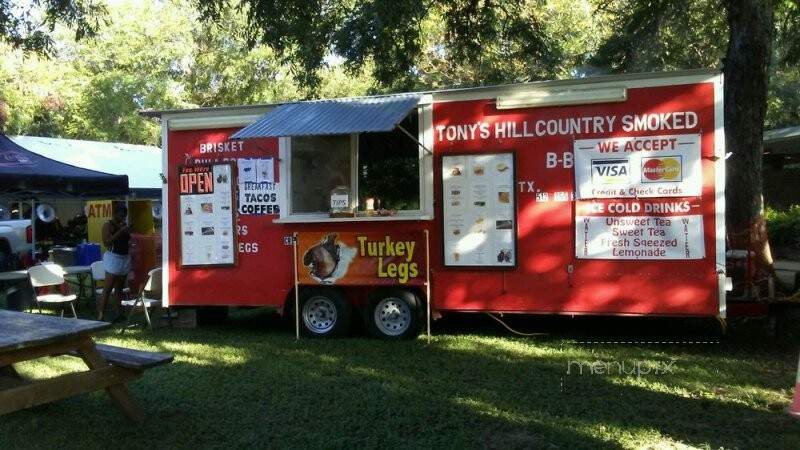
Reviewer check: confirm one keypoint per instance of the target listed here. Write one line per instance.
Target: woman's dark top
(121, 243)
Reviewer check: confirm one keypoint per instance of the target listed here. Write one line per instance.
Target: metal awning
(338, 116)
(782, 141)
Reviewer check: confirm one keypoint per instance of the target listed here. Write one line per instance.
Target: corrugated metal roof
(324, 117)
(782, 134)
(782, 141)
(141, 163)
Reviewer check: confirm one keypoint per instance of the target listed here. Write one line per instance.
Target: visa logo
(610, 171)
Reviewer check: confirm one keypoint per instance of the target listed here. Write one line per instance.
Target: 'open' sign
(197, 183)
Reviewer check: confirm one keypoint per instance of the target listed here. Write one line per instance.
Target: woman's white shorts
(116, 264)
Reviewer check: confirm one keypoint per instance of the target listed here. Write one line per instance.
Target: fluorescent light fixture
(541, 98)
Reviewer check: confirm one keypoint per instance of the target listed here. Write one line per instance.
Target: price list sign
(207, 215)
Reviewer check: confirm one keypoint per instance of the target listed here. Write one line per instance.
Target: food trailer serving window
(379, 170)
(318, 165)
(389, 168)
(350, 158)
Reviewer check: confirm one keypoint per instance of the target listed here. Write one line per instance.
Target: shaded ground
(247, 383)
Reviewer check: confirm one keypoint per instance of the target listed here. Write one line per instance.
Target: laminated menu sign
(479, 207)
(258, 191)
(208, 235)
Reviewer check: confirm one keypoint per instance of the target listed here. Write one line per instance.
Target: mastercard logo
(665, 168)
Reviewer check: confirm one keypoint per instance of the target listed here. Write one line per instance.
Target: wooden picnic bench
(24, 337)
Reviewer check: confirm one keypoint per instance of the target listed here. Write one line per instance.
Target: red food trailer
(600, 196)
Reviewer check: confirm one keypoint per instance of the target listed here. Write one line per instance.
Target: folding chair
(99, 277)
(49, 276)
(149, 297)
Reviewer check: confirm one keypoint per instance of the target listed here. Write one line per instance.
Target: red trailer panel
(550, 278)
(255, 281)
(580, 245)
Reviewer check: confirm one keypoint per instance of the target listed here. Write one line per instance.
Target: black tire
(394, 314)
(324, 313)
(5, 261)
(6, 257)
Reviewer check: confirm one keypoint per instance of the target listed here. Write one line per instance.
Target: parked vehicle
(15, 242)
(599, 196)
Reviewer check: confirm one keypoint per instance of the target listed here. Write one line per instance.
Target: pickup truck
(15, 241)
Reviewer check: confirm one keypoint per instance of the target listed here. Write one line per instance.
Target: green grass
(247, 383)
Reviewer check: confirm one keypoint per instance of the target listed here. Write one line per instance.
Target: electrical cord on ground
(513, 330)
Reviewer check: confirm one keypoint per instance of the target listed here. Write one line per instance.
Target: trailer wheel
(324, 312)
(394, 314)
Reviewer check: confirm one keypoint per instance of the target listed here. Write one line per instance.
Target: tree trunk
(746, 74)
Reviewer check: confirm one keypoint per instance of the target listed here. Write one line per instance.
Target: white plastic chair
(50, 275)
(149, 297)
(99, 277)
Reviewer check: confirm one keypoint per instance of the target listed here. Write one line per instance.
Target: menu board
(208, 235)
(479, 210)
(258, 191)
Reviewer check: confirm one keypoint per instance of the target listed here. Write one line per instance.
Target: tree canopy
(174, 53)
(671, 35)
(30, 27)
(408, 42)
(151, 55)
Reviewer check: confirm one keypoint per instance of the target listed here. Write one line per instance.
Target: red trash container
(145, 256)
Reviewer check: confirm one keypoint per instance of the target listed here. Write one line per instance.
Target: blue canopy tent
(141, 163)
(25, 175)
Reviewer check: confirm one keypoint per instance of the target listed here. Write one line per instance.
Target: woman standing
(116, 259)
